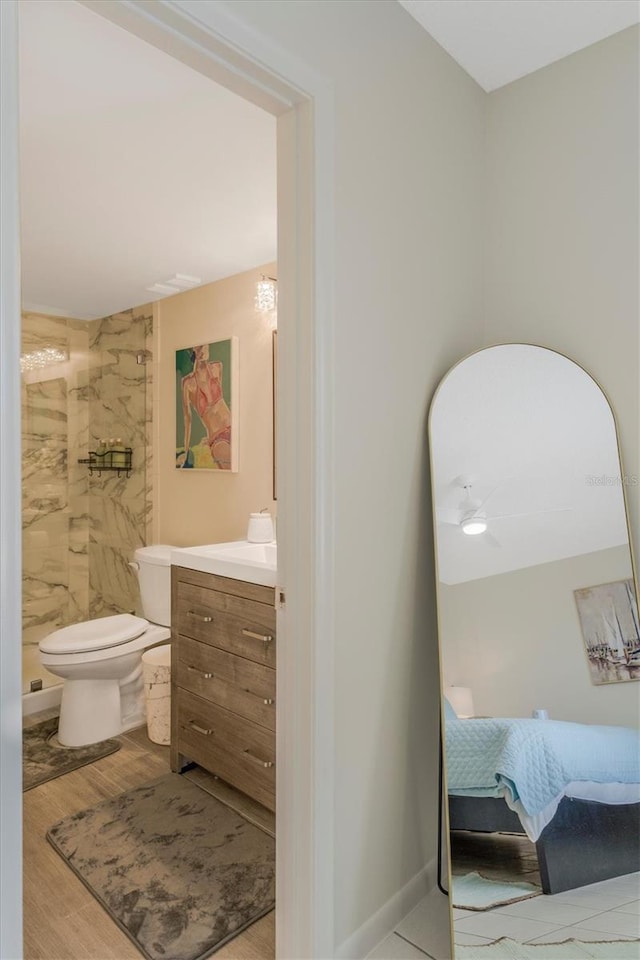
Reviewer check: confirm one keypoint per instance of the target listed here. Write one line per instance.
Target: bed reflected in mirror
(539, 645)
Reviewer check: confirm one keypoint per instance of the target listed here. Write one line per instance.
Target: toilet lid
(94, 634)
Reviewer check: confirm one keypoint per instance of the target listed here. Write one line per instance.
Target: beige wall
(563, 225)
(406, 272)
(441, 193)
(201, 506)
(515, 640)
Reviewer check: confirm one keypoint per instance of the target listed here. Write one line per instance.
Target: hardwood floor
(62, 920)
(497, 856)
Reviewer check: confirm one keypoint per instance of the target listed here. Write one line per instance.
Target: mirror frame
(444, 867)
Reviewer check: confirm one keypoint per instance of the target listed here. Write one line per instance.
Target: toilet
(100, 660)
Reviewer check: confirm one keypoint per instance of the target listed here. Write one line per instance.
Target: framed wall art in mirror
(608, 616)
(543, 780)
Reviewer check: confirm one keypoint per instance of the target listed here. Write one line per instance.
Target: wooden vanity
(223, 679)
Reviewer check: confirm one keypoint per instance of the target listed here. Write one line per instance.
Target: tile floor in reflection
(609, 910)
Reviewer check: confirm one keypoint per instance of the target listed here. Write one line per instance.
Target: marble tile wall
(79, 531)
(55, 418)
(119, 506)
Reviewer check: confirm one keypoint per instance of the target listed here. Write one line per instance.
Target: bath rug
(178, 871)
(475, 892)
(505, 949)
(43, 758)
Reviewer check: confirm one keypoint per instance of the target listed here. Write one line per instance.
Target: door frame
(212, 40)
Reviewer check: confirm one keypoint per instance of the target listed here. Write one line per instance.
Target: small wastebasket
(156, 674)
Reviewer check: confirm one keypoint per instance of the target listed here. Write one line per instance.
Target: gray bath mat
(178, 871)
(43, 758)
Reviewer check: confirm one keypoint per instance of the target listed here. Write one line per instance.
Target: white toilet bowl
(100, 660)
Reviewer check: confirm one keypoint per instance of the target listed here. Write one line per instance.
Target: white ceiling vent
(184, 281)
(176, 284)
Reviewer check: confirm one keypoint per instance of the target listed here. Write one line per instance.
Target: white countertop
(239, 559)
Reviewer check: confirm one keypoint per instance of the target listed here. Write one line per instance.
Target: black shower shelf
(115, 461)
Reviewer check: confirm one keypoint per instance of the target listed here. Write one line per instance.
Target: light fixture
(266, 294)
(461, 699)
(39, 359)
(473, 525)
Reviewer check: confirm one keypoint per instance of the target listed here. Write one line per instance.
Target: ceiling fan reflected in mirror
(472, 519)
(473, 525)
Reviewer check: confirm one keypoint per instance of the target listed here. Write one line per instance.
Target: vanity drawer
(243, 627)
(241, 686)
(227, 745)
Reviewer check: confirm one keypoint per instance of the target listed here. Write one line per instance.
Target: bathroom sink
(240, 560)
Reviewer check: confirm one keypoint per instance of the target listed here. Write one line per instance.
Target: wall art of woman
(203, 407)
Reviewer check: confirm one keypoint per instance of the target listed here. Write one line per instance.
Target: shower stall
(82, 516)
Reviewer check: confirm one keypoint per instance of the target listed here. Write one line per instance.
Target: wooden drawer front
(239, 685)
(238, 588)
(243, 627)
(229, 746)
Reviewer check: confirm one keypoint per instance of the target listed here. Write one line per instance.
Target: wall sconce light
(266, 294)
(39, 359)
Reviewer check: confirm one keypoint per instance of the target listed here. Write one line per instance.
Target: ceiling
(134, 168)
(497, 41)
(537, 439)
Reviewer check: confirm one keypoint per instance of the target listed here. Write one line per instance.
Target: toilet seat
(94, 635)
(148, 638)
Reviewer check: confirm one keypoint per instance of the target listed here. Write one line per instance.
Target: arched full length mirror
(540, 648)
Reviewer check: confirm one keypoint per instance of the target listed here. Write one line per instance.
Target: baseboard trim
(41, 700)
(386, 919)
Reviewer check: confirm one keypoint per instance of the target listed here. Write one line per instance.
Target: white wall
(413, 208)
(408, 187)
(563, 226)
(10, 470)
(515, 640)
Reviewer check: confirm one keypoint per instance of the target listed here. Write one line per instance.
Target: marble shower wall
(79, 531)
(55, 489)
(119, 506)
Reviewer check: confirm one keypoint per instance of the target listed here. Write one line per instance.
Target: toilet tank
(153, 566)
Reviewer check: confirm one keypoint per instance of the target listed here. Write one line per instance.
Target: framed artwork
(608, 616)
(207, 406)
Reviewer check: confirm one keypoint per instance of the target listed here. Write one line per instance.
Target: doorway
(224, 52)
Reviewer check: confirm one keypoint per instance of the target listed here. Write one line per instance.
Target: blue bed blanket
(536, 759)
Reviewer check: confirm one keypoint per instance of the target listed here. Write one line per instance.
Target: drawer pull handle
(256, 636)
(205, 676)
(263, 763)
(199, 616)
(268, 701)
(202, 730)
